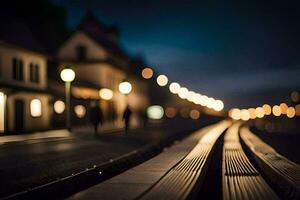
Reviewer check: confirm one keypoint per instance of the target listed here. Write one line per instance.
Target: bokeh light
(147, 73)
(174, 88)
(295, 96)
(259, 112)
(183, 93)
(162, 80)
(155, 112)
(80, 111)
(194, 114)
(290, 112)
(59, 106)
(252, 113)
(267, 109)
(245, 114)
(283, 108)
(170, 112)
(276, 111)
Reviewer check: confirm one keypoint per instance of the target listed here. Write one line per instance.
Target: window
(34, 73)
(17, 65)
(81, 52)
(36, 108)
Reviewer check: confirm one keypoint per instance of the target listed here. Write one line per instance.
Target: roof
(102, 34)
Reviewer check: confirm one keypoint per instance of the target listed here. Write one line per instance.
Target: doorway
(19, 115)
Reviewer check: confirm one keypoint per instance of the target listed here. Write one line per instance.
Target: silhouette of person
(96, 116)
(126, 117)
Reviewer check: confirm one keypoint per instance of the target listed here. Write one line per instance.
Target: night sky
(223, 50)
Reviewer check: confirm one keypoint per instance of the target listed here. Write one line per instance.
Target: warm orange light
(170, 112)
(190, 96)
(162, 80)
(276, 111)
(252, 113)
(295, 96)
(245, 115)
(106, 94)
(290, 112)
(235, 114)
(183, 93)
(194, 114)
(218, 105)
(297, 108)
(147, 73)
(267, 109)
(259, 112)
(174, 88)
(283, 108)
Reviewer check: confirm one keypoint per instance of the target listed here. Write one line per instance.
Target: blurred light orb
(67, 75)
(204, 100)
(194, 114)
(259, 112)
(190, 96)
(35, 108)
(170, 112)
(147, 73)
(125, 87)
(210, 102)
(295, 96)
(106, 94)
(290, 112)
(80, 111)
(183, 93)
(297, 108)
(252, 113)
(283, 108)
(235, 114)
(174, 87)
(196, 98)
(245, 115)
(267, 109)
(155, 112)
(59, 106)
(219, 105)
(162, 80)
(276, 111)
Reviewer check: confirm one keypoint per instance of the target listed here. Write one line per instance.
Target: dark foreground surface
(286, 143)
(29, 164)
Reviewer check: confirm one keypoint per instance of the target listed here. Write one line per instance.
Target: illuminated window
(59, 107)
(36, 108)
(2, 111)
(80, 111)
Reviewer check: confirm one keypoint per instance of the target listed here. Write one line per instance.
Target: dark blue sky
(221, 50)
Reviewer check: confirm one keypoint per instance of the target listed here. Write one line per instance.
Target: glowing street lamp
(67, 75)
(125, 87)
(106, 94)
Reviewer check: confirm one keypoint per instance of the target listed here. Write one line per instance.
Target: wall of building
(30, 123)
(68, 49)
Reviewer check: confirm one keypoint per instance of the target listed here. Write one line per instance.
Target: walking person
(126, 117)
(96, 117)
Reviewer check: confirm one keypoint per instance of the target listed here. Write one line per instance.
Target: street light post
(68, 75)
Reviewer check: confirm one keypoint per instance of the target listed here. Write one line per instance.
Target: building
(93, 52)
(23, 81)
